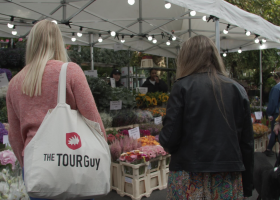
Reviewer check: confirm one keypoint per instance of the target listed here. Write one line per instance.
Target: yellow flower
(165, 98)
(154, 101)
(141, 95)
(137, 98)
(159, 97)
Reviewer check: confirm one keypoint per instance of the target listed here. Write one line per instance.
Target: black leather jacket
(200, 138)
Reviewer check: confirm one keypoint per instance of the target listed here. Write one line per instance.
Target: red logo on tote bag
(73, 140)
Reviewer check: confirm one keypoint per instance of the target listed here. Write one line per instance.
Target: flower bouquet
(151, 99)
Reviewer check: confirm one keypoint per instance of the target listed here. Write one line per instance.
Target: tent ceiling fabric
(98, 17)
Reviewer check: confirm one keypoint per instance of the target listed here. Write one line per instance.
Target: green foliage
(103, 94)
(3, 110)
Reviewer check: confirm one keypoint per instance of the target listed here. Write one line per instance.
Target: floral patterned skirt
(204, 186)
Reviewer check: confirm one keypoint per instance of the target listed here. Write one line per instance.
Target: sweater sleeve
(83, 96)
(14, 135)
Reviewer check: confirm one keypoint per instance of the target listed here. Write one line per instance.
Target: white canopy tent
(142, 19)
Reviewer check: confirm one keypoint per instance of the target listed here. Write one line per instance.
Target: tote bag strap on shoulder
(61, 96)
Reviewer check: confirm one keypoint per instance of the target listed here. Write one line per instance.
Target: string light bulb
(14, 31)
(173, 37)
(204, 18)
(168, 43)
(240, 50)
(263, 40)
(150, 38)
(113, 33)
(167, 5)
(73, 37)
(154, 40)
(100, 38)
(192, 13)
(122, 40)
(10, 24)
(225, 54)
(248, 33)
(54, 21)
(80, 34)
(131, 2)
(225, 31)
(257, 40)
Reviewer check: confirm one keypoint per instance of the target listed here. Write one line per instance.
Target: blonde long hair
(44, 43)
(199, 54)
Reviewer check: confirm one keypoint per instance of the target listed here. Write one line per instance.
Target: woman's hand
(276, 129)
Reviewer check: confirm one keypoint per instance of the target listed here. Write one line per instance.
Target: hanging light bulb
(248, 33)
(240, 50)
(131, 2)
(204, 18)
(225, 31)
(10, 24)
(168, 43)
(150, 38)
(14, 31)
(122, 40)
(80, 34)
(173, 37)
(263, 40)
(100, 38)
(113, 33)
(192, 13)
(257, 40)
(54, 21)
(167, 5)
(154, 40)
(73, 37)
(262, 45)
(225, 54)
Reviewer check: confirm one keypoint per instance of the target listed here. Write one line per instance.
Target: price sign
(115, 105)
(158, 120)
(142, 90)
(3, 80)
(92, 73)
(258, 115)
(6, 140)
(134, 133)
(113, 82)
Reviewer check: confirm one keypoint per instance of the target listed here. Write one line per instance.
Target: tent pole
(261, 80)
(217, 34)
(91, 51)
(190, 28)
(140, 17)
(64, 11)
(168, 78)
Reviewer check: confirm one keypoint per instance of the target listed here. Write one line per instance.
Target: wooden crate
(116, 175)
(164, 170)
(154, 174)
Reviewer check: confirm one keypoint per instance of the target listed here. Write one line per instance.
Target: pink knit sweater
(25, 114)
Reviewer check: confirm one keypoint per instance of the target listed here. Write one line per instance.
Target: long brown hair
(199, 54)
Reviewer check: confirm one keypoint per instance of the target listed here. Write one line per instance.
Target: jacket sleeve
(247, 150)
(170, 135)
(273, 101)
(84, 98)
(15, 138)
(162, 86)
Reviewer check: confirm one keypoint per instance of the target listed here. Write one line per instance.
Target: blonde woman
(207, 129)
(33, 91)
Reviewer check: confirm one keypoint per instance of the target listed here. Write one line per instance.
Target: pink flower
(8, 157)
(2, 40)
(7, 40)
(20, 39)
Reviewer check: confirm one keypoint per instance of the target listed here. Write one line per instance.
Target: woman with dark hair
(154, 84)
(273, 111)
(207, 129)
(116, 74)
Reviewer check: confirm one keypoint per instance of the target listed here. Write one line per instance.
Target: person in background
(273, 111)
(154, 84)
(116, 74)
(33, 91)
(207, 129)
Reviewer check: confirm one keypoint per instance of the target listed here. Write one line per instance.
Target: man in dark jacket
(154, 84)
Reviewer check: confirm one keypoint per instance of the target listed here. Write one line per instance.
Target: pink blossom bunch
(115, 149)
(144, 133)
(153, 151)
(134, 157)
(8, 157)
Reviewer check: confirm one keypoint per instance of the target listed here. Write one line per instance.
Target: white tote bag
(68, 158)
